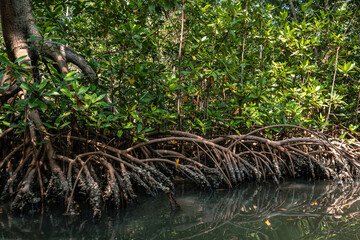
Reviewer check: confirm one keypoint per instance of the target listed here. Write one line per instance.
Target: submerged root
(25, 196)
(110, 175)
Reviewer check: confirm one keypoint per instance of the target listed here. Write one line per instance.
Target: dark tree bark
(18, 24)
(17, 20)
(293, 11)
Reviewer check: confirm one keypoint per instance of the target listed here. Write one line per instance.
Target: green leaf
(20, 59)
(64, 124)
(58, 9)
(214, 75)
(303, 7)
(119, 133)
(308, 3)
(313, 39)
(172, 86)
(43, 106)
(66, 92)
(148, 130)
(342, 136)
(48, 125)
(25, 86)
(284, 15)
(5, 60)
(42, 85)
(33, 102)
(82, 90)
(153, 107)
(128, 125)
(100, 97)
(71, 76)
(7, 124)
(138, 67)
(52, 92)
(206, 7)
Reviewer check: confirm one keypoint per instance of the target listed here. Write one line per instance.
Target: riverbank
(104, 174)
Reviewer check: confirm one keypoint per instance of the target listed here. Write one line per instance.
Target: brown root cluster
(100, 173)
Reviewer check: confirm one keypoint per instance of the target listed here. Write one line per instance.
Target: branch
(293, 10)
(75, 58)
(8, 93)
(181, 40)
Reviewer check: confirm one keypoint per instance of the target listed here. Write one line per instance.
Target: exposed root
(111, 175)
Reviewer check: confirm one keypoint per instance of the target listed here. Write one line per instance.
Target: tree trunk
(17, 20)
(17, 23)
(18, 26)
(293, 11)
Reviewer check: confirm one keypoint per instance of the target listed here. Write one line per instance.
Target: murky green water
(296, 210)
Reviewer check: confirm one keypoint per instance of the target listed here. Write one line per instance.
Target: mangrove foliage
(101, 100)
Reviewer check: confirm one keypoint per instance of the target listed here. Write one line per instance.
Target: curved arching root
(114, 176)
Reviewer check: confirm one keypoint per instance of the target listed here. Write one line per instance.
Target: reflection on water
(296, 210)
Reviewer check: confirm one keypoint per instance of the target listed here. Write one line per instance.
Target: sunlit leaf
(20, 59)
(82, 90)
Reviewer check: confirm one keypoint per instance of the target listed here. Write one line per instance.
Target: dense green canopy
(243, 64)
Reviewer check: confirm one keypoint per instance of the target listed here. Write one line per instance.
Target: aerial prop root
(113, 175)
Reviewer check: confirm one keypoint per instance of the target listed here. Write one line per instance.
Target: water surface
(295, 210)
